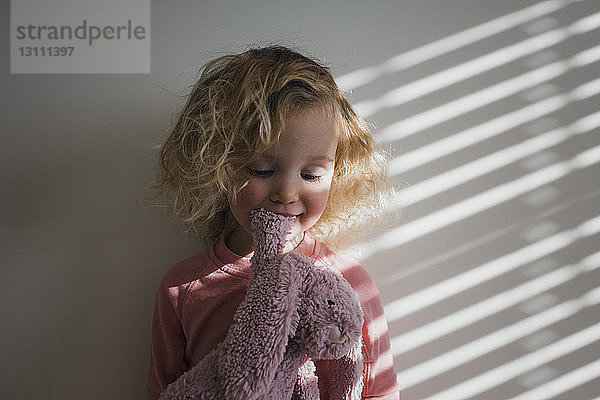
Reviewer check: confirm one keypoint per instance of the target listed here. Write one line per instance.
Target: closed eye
(260, 173)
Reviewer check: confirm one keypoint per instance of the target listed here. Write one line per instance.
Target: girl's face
(291, 178)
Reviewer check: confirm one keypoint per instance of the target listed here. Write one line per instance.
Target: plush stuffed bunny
(293, 311)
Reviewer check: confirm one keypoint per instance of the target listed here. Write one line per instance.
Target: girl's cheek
(318, 198)
(250, 195)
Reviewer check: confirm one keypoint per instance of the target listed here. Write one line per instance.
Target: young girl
(267, 128)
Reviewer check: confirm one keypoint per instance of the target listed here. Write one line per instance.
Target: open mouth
(286, 214)
(291, 215)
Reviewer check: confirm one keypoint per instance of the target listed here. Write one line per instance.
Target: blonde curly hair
(234, 112)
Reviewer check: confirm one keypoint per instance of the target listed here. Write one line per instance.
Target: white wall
(82, 257)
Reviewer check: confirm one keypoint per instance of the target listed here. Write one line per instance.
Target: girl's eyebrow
(320, 158)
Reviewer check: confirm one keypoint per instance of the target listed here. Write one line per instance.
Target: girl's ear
(346, 375)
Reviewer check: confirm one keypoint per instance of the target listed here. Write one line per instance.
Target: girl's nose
(284, 192)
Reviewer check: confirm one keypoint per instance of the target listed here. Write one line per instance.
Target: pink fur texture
(293, 311)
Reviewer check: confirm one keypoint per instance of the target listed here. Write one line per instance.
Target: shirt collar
(237, 264)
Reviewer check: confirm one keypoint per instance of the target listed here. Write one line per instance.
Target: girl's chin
(239, 241)
(293, 240)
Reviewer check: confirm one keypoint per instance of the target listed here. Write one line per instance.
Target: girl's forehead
(311, 132)
(309, 128)
(323, 109)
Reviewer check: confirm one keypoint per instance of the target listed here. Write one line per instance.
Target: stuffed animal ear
(257, 339)
(346, 375)
(265, 320)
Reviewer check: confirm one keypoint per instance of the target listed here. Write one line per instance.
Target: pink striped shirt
(197, 298)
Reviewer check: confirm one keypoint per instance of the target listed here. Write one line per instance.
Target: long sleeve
(167, 352)
(380, 378)
(378, 372)
(193, 308)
